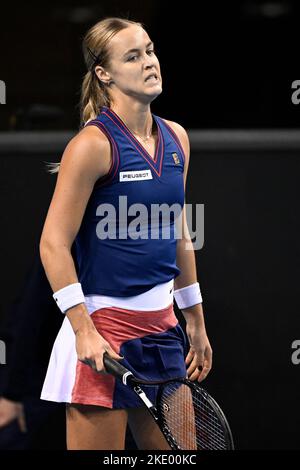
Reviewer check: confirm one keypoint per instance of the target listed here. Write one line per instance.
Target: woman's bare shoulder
(182, 135)
(177, 128)
(89, 152)
(93, 135)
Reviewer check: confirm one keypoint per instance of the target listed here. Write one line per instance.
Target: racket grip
(114, 368)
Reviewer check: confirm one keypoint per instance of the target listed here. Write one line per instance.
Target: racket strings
(191, 419)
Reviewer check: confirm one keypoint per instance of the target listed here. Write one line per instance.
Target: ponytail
(94, 95)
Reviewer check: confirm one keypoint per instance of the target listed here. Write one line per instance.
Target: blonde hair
(95, 48)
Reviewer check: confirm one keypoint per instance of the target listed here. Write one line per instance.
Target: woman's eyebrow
(151, 43)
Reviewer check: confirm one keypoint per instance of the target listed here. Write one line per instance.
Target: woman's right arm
(85, 159)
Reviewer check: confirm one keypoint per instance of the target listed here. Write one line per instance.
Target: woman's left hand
(199, 357)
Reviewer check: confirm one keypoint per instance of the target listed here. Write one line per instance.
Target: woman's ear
(103, 75)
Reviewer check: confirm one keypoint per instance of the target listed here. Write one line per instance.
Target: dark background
(224, 64)
(224, 67)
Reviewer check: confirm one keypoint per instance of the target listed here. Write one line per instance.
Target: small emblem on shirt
(135, 175)
(175, 158)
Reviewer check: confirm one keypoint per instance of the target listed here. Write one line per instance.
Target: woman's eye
(132, 58)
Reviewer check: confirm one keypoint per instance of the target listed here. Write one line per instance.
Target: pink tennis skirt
(153, 344)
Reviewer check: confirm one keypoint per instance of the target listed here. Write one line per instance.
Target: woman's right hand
(91, 346)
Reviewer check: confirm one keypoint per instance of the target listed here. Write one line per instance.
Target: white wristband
(69, 296)
(188, 296)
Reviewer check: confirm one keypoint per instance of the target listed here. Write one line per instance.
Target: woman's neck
(138, 118)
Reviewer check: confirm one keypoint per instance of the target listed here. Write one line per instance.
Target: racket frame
(126, 376)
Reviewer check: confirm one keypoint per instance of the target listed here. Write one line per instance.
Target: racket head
(190, 418)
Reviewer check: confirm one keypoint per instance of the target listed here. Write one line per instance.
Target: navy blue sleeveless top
(123, 265)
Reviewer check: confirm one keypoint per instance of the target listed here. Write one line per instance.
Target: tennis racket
(186, 414)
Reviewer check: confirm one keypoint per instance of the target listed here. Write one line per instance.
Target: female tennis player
(120, 299)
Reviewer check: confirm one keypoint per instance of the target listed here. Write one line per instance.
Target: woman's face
(132, 61)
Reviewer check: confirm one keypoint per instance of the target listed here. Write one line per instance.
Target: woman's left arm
(199, 357)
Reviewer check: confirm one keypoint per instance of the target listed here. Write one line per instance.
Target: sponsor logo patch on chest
(135, 175)
(175, 158)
